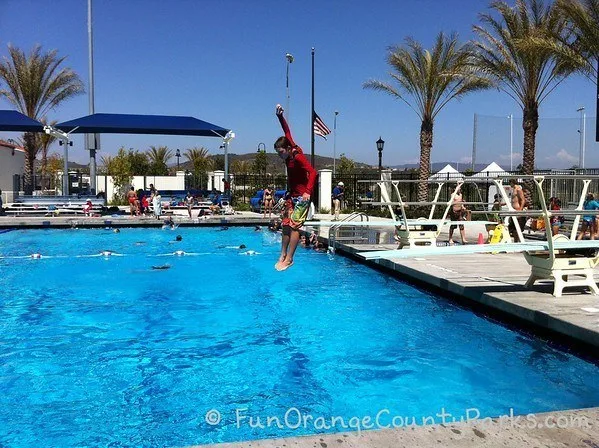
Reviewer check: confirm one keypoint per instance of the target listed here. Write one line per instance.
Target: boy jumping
(301, 179)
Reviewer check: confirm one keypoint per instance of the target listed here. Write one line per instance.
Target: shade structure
(141, 124)
(11, 120)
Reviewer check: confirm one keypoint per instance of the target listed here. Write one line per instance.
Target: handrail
(334, 228)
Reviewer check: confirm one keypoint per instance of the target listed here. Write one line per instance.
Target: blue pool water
(105, 351)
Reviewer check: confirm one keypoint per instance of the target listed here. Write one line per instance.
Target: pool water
(106, 351)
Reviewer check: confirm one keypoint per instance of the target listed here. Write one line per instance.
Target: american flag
(319, 127)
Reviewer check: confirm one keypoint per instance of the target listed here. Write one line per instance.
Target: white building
(12, 162)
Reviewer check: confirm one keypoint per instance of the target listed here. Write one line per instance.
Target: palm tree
(105, 163)
(583, 17)
(241, 167)
(431, 79)
(159, 158)
(199, 159)
(524, 71)
(36, 83)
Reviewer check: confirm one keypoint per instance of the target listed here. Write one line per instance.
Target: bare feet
(284, 265)
(279, 263)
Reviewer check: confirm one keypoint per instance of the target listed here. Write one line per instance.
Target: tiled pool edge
(515, 433)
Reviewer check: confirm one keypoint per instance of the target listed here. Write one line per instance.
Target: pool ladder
(349, 234)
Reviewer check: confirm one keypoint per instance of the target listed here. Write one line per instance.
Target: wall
(11, 162)
(161, 183)
(326, 189)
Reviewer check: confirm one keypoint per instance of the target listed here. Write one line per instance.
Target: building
(12, 163)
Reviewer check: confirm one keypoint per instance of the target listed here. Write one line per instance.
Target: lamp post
(380, 144)
(262, 151)
(335, 141)
(289, 58)
(178, 156)
(582, 132)
(511, 117)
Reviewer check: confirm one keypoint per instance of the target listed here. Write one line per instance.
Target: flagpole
(312, 116)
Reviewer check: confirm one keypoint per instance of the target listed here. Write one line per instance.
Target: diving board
(568, 262)
(535, 246)
(410, 222)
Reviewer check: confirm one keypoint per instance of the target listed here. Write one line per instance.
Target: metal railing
(349, 234)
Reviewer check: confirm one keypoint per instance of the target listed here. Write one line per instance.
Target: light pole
(511, 117)
(335, 141)
(289, 58)
(582, 132)
(380, 144)
(178, 156)
(262, 151)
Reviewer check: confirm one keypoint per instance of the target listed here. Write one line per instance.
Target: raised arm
(284, 125)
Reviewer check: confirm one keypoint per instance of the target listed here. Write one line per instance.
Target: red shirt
(301, 174)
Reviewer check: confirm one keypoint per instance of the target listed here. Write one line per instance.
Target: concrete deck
(576, 429)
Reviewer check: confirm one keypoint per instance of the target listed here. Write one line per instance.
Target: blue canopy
(11, 120)
(141, 124)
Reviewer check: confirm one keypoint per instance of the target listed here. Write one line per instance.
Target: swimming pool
(107, 351)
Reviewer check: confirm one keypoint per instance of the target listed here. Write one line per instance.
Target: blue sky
(224, 62)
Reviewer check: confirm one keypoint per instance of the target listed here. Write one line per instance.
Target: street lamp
(380, 143)
(178, 156)
(582, 132)
(335, 141)
(511, 117)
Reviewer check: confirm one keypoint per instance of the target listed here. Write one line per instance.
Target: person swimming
(161, 267)
(249, 252)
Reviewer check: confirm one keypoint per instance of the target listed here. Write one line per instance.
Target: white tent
(448, 172)
(492, 170)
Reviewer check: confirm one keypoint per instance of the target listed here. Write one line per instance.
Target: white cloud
(562, 156)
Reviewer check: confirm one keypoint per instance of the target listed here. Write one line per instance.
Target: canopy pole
(226, 140)
(91, 139)
(64, 140)
(65, 169)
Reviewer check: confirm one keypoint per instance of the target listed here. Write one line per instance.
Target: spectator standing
(338, 196)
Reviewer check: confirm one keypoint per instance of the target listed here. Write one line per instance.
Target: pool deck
(571, 429)
(492, 283)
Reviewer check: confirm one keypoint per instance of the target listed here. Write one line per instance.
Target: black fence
(52, 184)
(361, 189)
